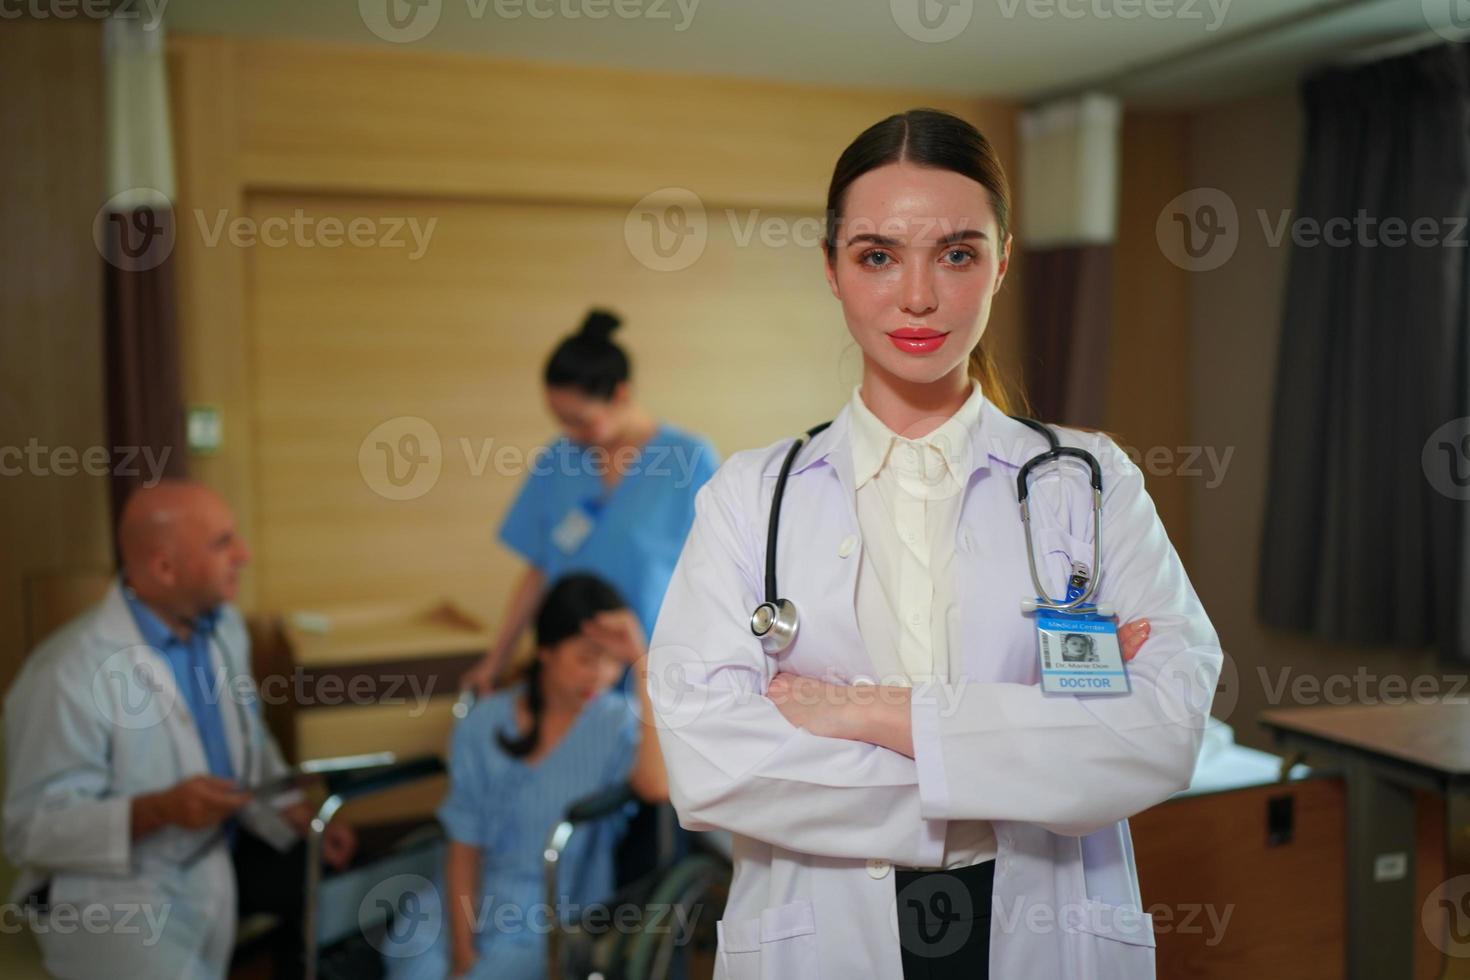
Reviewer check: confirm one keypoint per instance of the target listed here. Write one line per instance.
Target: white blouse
(909, 493)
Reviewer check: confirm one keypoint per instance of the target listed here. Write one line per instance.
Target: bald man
(133, 740)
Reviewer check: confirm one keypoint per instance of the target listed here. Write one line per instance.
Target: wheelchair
(687, 891)
(676, 904)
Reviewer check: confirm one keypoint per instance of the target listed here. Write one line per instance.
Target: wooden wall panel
(1148, 384)
(261, 124)
(345, 341)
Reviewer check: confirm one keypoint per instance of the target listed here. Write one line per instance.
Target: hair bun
(600, 325)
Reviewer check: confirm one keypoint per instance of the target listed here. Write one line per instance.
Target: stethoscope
(775, 621)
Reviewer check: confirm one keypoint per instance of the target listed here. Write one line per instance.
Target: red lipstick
(917, 340)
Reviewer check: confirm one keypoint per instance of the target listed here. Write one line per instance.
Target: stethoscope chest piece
(775, 624)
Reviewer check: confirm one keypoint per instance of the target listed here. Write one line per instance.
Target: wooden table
(1386, 752)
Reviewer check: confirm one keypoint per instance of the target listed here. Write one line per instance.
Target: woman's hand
(811, 704)
(1131, 636)
(619, 633)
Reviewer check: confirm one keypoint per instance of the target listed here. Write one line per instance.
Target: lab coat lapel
(148, 680)
(818, 555)
(233, 709)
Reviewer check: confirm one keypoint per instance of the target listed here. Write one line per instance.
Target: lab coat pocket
(780, 943)
(1117, 942)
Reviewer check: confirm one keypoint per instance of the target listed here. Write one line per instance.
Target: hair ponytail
(993, 384)
(589, 360)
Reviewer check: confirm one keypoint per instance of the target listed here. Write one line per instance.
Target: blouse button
(878, 868)
(847, 546)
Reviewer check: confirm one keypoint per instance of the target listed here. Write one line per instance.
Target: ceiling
(1152, 52)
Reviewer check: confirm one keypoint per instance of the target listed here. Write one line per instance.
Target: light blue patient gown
(564, 520)
(507, 809)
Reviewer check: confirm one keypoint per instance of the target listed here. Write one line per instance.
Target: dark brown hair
(574, 599)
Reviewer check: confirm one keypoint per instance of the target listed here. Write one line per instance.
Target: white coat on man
(94, 719)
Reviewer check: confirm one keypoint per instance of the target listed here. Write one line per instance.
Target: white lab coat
(818, 823)
(94, 719)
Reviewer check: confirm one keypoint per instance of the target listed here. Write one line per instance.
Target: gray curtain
(1365, 527)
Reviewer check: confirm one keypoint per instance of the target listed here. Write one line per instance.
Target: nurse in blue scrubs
(613, 496)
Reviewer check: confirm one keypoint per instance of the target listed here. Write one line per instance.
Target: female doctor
(903, 799)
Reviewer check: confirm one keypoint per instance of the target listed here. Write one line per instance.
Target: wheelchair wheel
(650, 955)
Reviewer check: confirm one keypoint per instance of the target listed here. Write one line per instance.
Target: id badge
(1079, 654)
(573, 529)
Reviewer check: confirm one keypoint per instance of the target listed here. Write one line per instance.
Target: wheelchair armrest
(600, 804)
(352, 784)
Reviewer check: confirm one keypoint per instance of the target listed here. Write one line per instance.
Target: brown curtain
(145, 402)
(1068, 303)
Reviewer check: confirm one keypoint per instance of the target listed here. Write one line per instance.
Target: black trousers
(944, 922)
(268, 880)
